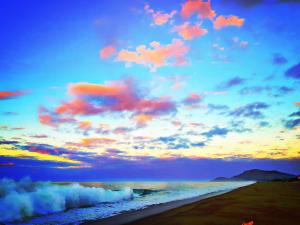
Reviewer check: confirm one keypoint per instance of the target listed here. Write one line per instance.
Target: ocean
(27, 202)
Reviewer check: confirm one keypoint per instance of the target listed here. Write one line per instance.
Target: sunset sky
(100, 89)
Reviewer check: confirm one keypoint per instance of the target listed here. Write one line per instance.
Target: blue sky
(142, 83)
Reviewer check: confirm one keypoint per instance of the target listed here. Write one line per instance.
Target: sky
(148, 90)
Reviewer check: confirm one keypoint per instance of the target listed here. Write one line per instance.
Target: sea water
(49, 203)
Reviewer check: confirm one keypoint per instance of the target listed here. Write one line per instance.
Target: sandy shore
(264, 203)
(134, 215)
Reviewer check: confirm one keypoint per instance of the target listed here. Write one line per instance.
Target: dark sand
(266, 203)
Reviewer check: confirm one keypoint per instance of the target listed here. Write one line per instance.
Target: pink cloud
(297, 103)
(201, 8)
(112, 97)
(159, 18)
(192, 98)
(156, 55)
(11, 94)
(49, 118)
(192, 101)
(225, 21)
(107, 51)
(189, 32)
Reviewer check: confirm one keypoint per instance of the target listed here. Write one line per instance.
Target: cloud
(264, 124)
(91, 142)
(251, 110)
(9, 113)
(159, 18)
(201, 8)
(215, 131)
(273, 91)
(225, 21)
(49, 118)
(245, 3)
(175, 142)
(156, 55)
(11, 94)
(107, 51)
(198, 144)
(7, 164)
(295, 114)
(221, 109)
(238, 43)
(232, 82)
(11, 151)
(4, 127)
(112, 97)
(297, 103)
(290, 124)
(189, 32)
(293, 72)
(294, 121)
(40, 136)
(279, 59)
(192, 100)
(238, 127)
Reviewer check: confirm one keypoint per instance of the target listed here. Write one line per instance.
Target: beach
(265, 203)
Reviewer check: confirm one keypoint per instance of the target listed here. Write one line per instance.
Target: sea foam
(23, 199)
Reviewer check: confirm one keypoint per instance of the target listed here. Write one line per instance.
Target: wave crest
(23, 199)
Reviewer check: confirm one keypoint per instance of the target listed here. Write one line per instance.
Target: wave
(20, 200)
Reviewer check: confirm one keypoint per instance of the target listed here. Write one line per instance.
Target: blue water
(46, 203)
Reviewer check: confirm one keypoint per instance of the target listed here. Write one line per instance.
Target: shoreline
(138, 214)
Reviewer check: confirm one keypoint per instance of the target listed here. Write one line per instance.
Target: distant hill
(258, 175)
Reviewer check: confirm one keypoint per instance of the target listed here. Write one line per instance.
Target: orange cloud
(107, 51)
(157, 55)
(202, 9)
(51, 119)
(142, 119)
(84, 89)
(189, 32)
(297, 103)
(78, 106)
(223, 21)
(91, 142)
(159, 18)
(84, 125)
(10, 94)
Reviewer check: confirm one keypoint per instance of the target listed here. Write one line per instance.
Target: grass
(265, 203)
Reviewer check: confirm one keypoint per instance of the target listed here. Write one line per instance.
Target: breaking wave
(23, 199)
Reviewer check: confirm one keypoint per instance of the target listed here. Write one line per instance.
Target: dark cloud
(289, 1)
(198, 144)
(264, 124)
(293, 72)
(272, 91)
(239, 127)
(9, 113)
(279, 59)
(251, 110)
(221, 109)
(176, 142)
(294, 120)
(245, 3)
(295, 114)
(216, 131)
(235, 81)
(290, 124)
